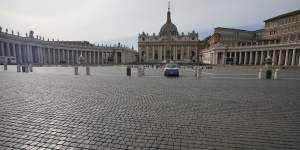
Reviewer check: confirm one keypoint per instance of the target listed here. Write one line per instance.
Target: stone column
(235, 57)
(256, 58)
(268, 53)
(147, 53)
(94, 57)
(251, 58)
(153, 53)
(159, 52)
(293, 57)
(90, 56)
(188, 52)
(76, 56)
(19, 51)
(2, 48)
(8, 49)
(59, 56)
(286, 57)
(98, 58)
(54, 56)
(68, 57)
(38, 53)
(102, 58)
(14, 50)
(262, 57)
(174, 53)
(165, 53)
(216, 57)
(182, 50)
(30, 53)
(245, 58)
(43, 55)
(280, 58)
(240, 59)
(273, 57)
(299, 60)
(49, 56)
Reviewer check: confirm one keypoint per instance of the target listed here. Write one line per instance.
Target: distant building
(280, 39)
(169, 45)
(30, 50)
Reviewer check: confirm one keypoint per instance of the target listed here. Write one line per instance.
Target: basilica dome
(168, 27)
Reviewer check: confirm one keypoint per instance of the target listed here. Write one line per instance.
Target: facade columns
(39, 55)
(14, 50)
(286, 57)
(240, 59)
(299, 60)
(153, 53)
(159, 53)
(165, 53)
(147, 53)
(245, 58)
(2, 48)
(68, 57)
(188, 53)
(174, 53)
(235, 55)
(280, 58)
(30, 53)
(256, 58)
(54, 56)
(293, 57)
(181, 55)
(261, 57)
(90, 57)
(251, 58)
(95, 57)
(273, 57)
(8, 49)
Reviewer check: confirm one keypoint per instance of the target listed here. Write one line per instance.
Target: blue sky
(113, 21)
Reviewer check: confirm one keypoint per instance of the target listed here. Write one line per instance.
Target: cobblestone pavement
(63, 111)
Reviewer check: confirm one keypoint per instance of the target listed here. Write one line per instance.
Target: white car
(171, 70)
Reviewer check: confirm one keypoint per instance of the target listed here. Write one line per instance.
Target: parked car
(171, 70)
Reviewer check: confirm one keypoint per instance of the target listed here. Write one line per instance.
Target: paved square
(54, 109)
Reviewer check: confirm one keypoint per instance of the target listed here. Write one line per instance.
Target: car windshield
(171, 66)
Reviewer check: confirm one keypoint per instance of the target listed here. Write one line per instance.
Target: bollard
(30, 68)
(276, 74)
(141, 71)
(199, 72)
(260, 72)
(23, 68)
(128, 71)
(26, 68)
(18, 68)
(76, 70)
(195, 71)
(88, 70)
(5, 66)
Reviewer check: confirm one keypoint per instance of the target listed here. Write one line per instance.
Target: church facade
(169, 45)
(280, 40)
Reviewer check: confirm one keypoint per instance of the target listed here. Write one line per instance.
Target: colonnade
(285, 57)
(51, 53)
(159, 53)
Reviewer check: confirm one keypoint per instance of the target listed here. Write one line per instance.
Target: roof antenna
(169, 3)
